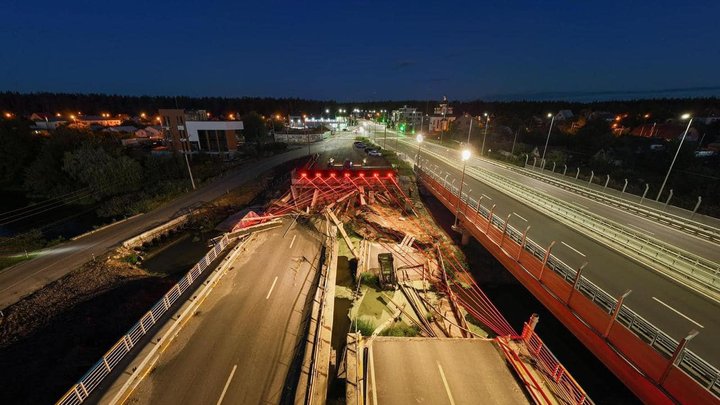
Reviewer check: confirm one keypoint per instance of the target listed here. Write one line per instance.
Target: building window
(212, 140)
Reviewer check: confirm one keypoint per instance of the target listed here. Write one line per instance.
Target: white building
(411, 117)
(213, 136)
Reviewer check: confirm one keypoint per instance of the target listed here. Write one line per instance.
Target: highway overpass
(658, 300)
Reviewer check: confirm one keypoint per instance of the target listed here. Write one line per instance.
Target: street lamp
(487, 123)
(542, 163)
(464, 156)
(419, 138)
(677, 152)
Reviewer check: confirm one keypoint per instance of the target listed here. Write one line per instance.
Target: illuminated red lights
(346, 174)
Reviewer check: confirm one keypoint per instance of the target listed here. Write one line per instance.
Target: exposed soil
(49, 339)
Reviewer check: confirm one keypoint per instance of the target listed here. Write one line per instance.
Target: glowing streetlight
(487, 124)
(143, 115)
(677, 152)
(419, 138)
(8, 115)
(542, 160)
(465, 156)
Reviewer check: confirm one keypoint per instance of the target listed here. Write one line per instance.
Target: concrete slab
(439, 371)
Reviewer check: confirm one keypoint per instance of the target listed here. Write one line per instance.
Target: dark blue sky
(363, 50)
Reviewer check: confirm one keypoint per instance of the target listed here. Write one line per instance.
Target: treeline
(77, 167)
(23, 104)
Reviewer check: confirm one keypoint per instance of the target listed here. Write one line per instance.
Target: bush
(132, 258)
(401, 330)
(364, 326)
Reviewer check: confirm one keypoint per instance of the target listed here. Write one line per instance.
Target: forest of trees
(24, 104)
(72, 161)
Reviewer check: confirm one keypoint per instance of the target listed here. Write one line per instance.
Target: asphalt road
(51, 264)
(439, 371)
(340, 147)
(671, 307)
(239, 348)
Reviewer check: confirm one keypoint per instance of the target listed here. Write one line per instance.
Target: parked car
(359, 144)
(375, 153)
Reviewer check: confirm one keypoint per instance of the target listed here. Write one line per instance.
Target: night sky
(363, 50)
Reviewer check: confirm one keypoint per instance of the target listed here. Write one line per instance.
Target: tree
(104, 174)
(44, 177)
(254, 127)
(18, 149)
(593, 136)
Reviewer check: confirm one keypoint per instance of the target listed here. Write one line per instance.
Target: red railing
(650, 374)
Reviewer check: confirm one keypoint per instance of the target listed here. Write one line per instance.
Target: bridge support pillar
(465, 239)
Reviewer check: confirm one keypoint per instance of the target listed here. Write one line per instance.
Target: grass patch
(401, 330)
(7, 261)
(131, 258)
(364, 326)
(370, 280)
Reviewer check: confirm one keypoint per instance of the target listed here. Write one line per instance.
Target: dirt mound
(39, 308)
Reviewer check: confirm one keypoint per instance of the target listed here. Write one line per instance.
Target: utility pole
(187, 163)
(512, 151)
(470, 130)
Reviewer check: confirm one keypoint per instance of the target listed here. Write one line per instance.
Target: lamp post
(419, 139)
(464, 156)
(470, 130)
(542, 163)
(677, 152)
(487, 123)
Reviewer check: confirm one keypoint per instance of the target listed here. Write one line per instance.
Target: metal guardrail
(690, 266)
(98, 372)
(683, 265)
(693, 365)
(684, 224)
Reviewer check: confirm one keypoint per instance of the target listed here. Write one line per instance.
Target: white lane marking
(520, 216)
(372, 375)
(488, 197)
(576, 251)
(678, 312)
(640, 229)
(447, 387)
(293, 241)
(227, 384)
(271, 288)
(577, 203)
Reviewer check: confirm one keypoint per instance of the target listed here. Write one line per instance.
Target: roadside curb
(105, 227)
